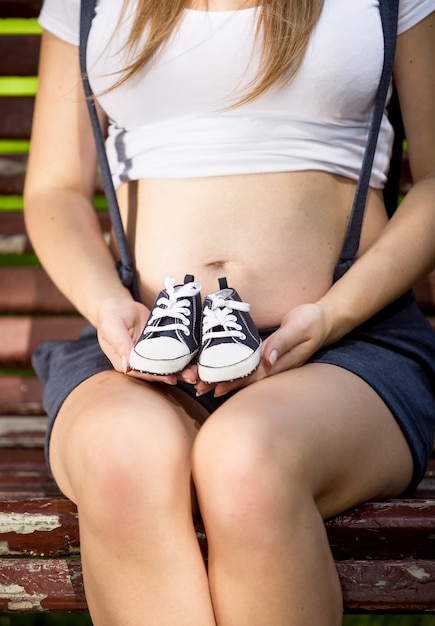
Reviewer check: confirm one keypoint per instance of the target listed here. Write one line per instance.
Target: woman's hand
(120, 322)
(303, 331)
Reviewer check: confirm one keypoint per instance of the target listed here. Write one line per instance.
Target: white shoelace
(175, 306)
(220, 314)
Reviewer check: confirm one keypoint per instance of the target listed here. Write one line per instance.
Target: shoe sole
(158, 368)
(231, 372)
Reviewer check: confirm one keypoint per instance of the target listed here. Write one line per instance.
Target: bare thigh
(320, 426)
(122, 422)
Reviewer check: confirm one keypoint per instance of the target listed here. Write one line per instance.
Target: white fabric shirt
(169, 122)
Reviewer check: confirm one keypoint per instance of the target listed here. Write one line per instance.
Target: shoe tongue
(226, 293)
(223, 284)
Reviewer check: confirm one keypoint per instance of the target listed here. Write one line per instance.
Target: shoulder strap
(389, 10)
(125, 266)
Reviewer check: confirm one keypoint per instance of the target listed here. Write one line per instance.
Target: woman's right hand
(120, 324)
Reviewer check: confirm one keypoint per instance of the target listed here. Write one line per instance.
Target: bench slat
(36, 585)
(57, 585)
(24, 474)
(12, 173)
(30, 290)
(20, 395)
(377, 586)
(19, 56)
(20, 8)
(22, 431)
(16, 113)
(22, 335)
(47, 527)
(397, 530)
(400, 529)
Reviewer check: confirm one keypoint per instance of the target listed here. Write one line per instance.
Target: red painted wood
(30, 290)
(57, 585)
(19, 56)
(36, 585)
(20, 8)
(21, 335)
(20, 395)
(16, 113)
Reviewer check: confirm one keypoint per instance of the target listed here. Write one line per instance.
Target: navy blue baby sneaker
(171, 336)
(230, 343)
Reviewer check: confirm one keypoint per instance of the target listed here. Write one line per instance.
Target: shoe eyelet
(243, 336)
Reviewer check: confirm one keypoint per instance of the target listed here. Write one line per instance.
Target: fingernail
(124, 364)
(189, 381)
(273, 357)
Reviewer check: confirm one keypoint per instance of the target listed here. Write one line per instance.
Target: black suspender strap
(389, 16)
(389, 10)
(125, 265)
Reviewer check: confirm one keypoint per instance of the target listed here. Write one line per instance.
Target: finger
(291, 338)
(202, 388)
(189, 375)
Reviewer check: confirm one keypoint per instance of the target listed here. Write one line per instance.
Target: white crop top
(169, 122)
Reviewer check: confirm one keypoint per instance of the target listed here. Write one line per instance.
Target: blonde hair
(285, 27)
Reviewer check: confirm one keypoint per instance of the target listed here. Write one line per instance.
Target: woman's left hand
(303, 331)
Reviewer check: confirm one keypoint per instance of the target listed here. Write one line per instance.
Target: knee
(128, 467)
(245, 476)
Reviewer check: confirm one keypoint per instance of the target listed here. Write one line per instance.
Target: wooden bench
(385, 551)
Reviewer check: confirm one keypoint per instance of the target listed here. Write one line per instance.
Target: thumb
(117, 347)
(275, 347)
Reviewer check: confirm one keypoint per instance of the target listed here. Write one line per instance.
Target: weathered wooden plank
(19, 55)
(399, 529)
(30, 290)
(397, 586)
(44, 528)
(37, 585)
(12, 174)
(57, 585)
(20, 8)
(30, 480)
(16, 113)
(22, 431)
(24, 474)
(20, 395)
(21, 335)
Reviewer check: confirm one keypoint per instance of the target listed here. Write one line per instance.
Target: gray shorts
(394, 352)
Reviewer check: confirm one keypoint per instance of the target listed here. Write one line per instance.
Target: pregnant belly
(276, 237)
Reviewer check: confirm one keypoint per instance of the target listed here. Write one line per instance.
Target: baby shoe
(230, 343)
(171, 336)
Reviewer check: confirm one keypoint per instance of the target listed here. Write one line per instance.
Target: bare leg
(269, 466)
(121, 450)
